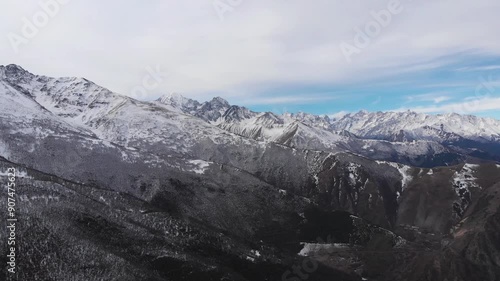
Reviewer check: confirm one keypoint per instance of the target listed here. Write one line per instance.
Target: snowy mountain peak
(13, 68)
(237, 113)
(269, 118)
(384, 125)
(171, 97)
(218, 101)
(176, 100)
(209, 111)
(322, 121)
(362, 112)
(212, 110)
(13, 72)
(83, 102)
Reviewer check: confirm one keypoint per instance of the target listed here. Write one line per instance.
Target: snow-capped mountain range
(209, 185)
(408, 134)
(406, 137)
(376, 125)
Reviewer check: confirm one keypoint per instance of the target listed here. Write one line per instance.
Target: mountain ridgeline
(113, 188)
(404, 137)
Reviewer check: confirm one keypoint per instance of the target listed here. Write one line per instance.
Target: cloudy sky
(319, 56)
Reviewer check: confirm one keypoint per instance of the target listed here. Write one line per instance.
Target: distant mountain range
(113, 188)
(405, 137)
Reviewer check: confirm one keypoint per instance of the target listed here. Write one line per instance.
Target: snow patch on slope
(463, 181)
(403, 170)
(313, 248)
(353, 173)
(200, 166)
(4, 151)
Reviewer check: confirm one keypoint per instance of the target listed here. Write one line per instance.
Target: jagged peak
(325, 117)
(269, 114)
(237, 109)
(362, 112)
(406, 113)
(269, 119)
(170, 96)
(346, 133)
(13, 67)
(237, 113)
(176, 100)
(221, 101)
(309, 116)
(13, 71)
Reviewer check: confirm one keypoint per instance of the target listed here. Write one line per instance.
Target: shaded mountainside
(83, 232)
(473, 252)
(112, 188)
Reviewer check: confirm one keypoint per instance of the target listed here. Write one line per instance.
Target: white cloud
(435, 97)
(472, 106)
(479, 68)
(259, 44)
(286, 100)
(339, 114)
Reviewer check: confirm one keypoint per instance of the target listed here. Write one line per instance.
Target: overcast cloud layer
(270, 55)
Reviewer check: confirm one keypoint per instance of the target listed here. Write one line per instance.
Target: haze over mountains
(177, 189)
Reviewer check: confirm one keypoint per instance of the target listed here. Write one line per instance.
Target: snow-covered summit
(209, 111)
(384, 125)
(178, 101)
(398, 136)
(237, 113)
(13, 73)
(405, 126)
